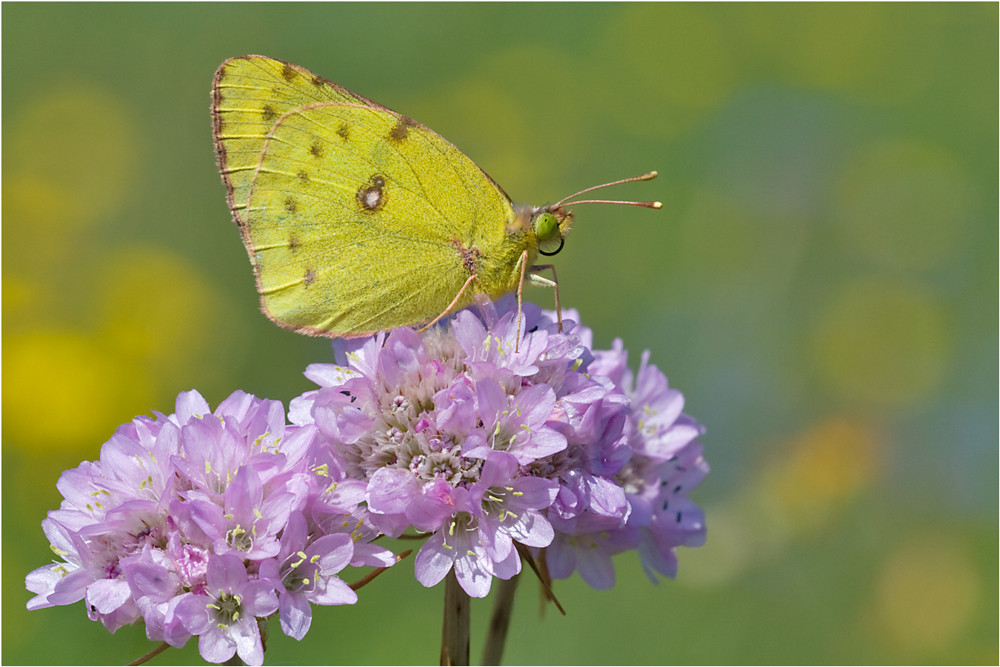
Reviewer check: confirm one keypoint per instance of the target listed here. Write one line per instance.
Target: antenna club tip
(656, 204)
(650, 175)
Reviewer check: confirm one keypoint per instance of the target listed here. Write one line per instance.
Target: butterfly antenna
(565, 201)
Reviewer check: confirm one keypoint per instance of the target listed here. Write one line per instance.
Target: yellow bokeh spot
(63, 391)
(672, 61)
(32, 200)
(903, 204)
(69, 159)
(158, 310)
(146, 334)
(818, 45)
(69, 162)
(820, 470)
(22, 298)
(797, 494)
(882, 342)
(926, 595)
(882, 53)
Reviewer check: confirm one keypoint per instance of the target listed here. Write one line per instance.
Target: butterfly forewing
(249, 95)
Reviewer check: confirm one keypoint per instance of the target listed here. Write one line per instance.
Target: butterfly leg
(451, 305)
(553, 283)
(522, 263)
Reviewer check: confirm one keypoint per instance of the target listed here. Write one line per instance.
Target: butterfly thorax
(531, 231)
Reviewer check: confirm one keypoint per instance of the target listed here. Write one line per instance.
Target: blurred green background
(821, 284)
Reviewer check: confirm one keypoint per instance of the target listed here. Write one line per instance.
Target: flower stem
(500, 621)
(363, 581)
(152, 654)
(455, 629)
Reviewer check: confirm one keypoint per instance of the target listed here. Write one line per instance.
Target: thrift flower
(224, 615)
(191, 522)
(303, 573)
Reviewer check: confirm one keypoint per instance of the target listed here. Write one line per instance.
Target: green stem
(500, 620)
(152, 654)
(455, 629)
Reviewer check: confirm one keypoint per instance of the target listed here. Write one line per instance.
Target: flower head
(486, 435)
(665, 463)
(174, 524)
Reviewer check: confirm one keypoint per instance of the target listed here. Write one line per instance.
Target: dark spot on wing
(470, 256)
(303, 176)
(316, 148)
(288, 73)
(268, 112)
(310, 277)
(371, 195)
(344, 131)
(291, 205)
(294, 243)
(402, 128)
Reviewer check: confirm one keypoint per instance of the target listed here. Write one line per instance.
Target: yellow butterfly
(357, 218)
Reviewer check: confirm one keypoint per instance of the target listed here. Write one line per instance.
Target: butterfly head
(550, 224)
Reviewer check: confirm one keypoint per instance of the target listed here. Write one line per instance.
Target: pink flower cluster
(199, 524)
(479, 434)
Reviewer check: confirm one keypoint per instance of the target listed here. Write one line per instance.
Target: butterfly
(359, 219)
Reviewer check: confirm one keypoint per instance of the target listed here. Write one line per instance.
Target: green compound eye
(546, 228)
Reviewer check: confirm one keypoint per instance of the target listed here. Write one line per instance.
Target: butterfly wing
(356, 218)
(249, 94)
